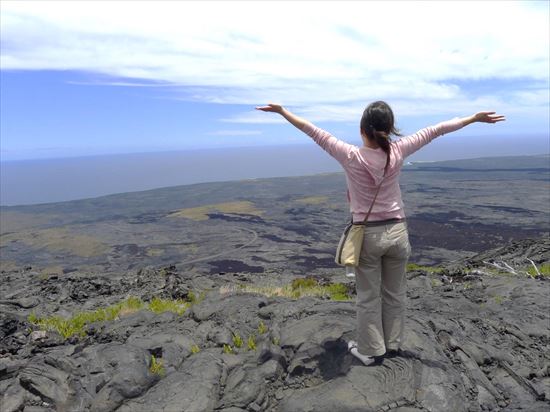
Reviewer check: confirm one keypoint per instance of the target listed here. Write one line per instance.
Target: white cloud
(235, 133)
(326, 58)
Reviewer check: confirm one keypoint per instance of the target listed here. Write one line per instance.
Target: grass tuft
(159, 305)
(237, 340)
(251, 342)
(413, 266)
(227, 348)
(76, 324)
(498, 299)
(303, 283)
(301, 287)
(157, 366)
(262, 328)
(544, 270)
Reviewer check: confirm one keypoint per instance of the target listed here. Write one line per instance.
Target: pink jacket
(364, 168)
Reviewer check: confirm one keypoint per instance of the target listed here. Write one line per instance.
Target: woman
(380, 275)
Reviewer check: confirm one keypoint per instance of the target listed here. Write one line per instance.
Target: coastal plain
(291, 224)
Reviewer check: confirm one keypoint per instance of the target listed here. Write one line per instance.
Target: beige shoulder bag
(351, 241)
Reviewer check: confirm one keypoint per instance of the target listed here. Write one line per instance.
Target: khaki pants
(381, 288)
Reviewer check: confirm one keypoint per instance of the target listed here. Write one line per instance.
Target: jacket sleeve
(410, 144)
(337, 148)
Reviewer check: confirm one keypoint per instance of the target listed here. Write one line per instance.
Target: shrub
(227, 348)
(195, 349)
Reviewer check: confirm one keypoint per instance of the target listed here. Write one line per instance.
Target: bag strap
(373, 200)
(377, 190)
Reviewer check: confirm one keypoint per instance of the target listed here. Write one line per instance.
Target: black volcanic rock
(475, 340)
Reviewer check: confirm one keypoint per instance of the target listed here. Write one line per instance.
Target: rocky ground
(477, 338)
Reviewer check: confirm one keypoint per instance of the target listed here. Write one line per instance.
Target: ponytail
(383, 140)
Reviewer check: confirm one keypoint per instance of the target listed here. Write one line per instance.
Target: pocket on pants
(400, 238)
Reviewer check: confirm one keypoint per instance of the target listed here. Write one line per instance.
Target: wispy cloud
(325, 58)
(235, 133)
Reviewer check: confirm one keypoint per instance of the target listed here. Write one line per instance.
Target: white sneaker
(352, 348)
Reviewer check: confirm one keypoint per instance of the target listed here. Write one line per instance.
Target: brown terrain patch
(58, 240)
(312, 200)
(11, 221)
(201, 212)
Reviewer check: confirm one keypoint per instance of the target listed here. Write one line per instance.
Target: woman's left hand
(488, 117)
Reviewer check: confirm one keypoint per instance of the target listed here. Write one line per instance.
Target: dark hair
(378, 125)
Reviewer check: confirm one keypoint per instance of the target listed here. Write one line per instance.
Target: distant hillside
(540, 162)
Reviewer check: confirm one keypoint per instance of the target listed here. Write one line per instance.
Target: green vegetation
(191, 297)
(251, 342)
(156, 366)
(498, 299)
(195, 349)
(303, 283)
(227, 348)
(301, 287)
(544, 270)
(413, 266)
(276, 341)
(338, 291)
(237, 340)
(76, 324)
(158, 305)
(310, 287)
(262, 328)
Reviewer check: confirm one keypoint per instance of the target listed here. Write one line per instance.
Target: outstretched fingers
(496, 118)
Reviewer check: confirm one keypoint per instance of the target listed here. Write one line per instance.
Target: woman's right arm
(337, 148)
(410, 144)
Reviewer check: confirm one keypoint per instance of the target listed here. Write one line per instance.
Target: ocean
(54, 180)
(24, 182)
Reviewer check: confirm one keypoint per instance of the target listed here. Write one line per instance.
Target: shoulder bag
(351, 241)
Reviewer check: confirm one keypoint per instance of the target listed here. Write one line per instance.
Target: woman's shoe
(367, 360)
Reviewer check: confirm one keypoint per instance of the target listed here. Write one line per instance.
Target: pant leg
(370, 334)
(394, 285)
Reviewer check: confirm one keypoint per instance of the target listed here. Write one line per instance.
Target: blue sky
(86, 78)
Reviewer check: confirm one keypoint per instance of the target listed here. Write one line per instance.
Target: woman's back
(365, 168)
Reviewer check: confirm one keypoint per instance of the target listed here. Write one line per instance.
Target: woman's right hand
(271, 107)
(488, 117)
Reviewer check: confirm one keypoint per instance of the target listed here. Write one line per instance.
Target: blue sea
(53, 180)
